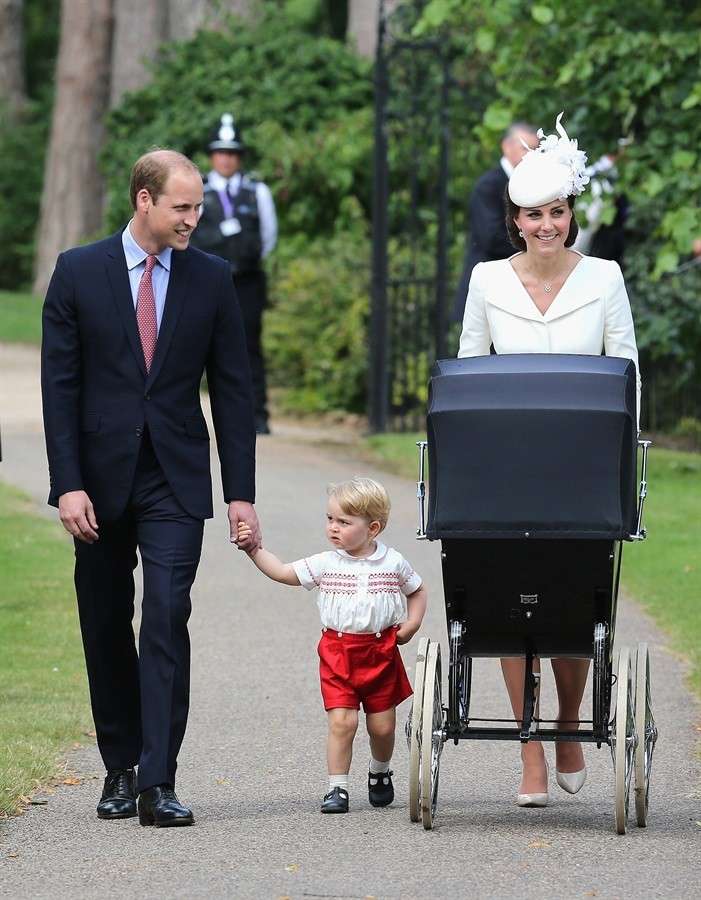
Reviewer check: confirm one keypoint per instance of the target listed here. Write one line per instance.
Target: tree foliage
(624, 74)
(620, 71)
(304, 105)
(301, 102)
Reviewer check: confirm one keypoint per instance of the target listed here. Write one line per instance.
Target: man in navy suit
(487, 214)
(130, 324)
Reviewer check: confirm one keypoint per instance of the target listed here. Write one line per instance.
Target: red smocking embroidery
(311, 574)
(339, 583)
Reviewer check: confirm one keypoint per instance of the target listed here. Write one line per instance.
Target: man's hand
(77, 515)
(241, 511)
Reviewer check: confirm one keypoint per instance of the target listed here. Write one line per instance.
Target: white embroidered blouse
(359, 595)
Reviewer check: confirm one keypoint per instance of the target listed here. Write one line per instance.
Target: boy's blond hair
(361, 496)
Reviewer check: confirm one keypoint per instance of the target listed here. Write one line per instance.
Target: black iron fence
(410, 217)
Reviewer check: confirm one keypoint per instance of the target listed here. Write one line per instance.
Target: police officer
(239, 224)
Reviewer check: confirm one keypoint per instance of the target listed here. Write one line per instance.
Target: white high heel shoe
(571, 781)
(537, 799)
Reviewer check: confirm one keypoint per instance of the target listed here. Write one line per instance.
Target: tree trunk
(71, 208)
(186, 17)
(362, 25)
(140, 27)
(12, 83)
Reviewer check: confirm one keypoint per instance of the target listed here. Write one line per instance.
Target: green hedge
(315, 334)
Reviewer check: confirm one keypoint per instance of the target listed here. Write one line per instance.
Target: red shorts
(362, 668)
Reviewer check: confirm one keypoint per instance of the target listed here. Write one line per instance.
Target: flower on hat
(556, 169)
(565, 151)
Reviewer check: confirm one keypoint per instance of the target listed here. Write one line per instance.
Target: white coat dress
(590, 314)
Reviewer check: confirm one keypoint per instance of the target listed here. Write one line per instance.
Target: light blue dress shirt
(136, 263)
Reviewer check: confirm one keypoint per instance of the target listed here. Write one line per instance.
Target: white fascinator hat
(555, 170)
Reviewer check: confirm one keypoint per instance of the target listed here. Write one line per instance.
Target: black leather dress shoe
(118, 799)
(336, 801)
(159, 806)
(380, 788)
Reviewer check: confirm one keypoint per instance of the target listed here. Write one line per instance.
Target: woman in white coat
(548, 299)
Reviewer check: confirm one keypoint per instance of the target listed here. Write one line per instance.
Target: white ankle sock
(338, 781)
(377, 767)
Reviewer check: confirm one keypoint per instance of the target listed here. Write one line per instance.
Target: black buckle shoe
(118, 800)
(380, 788)
(160, 806)
(336, 801)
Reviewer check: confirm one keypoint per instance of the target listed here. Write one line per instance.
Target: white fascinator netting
(555, 170)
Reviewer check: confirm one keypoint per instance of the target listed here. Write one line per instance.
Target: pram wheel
(623, 738)
(414, 732)
(646, 731)
(431, 735)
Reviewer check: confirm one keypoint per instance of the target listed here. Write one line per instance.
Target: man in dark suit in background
(488, 237)
(129, 325)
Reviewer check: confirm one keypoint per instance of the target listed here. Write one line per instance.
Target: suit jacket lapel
(175, 299)
(121, 291)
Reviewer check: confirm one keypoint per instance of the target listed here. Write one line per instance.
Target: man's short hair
(361, 496)
(515, 127)
(150, 172)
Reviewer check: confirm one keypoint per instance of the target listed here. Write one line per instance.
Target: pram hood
(532, 446)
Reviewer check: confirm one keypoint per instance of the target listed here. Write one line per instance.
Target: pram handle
(421, 492)
(640, 532)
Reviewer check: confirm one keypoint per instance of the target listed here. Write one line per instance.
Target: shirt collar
(135, 255)
(506, 166)
(219, 183)
(379, 553)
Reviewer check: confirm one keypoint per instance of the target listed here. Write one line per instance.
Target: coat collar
(121, 290)
(118, 276)
(509, 294)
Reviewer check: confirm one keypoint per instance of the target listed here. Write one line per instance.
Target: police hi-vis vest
(243, 249)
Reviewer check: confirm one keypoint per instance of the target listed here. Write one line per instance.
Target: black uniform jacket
(488, 236)
(98, 398)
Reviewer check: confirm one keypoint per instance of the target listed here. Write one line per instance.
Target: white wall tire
(414, 732)
(431, 735)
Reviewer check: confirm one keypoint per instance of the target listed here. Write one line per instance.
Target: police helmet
(226, 136)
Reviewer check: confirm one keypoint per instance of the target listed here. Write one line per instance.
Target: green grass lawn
(664, 572)
(20, 318)
(43, 692)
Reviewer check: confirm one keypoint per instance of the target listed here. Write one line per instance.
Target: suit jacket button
(147, 396)
(139, 430)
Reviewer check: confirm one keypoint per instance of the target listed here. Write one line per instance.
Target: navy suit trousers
(140, 702)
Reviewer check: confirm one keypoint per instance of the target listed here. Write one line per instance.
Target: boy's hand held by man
(243, 513)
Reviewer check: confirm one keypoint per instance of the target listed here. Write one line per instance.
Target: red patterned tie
(146, 313)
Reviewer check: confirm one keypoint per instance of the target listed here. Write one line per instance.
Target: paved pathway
(252, 763)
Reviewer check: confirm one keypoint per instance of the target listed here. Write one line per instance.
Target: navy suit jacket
(489, 238)
(98, 397)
